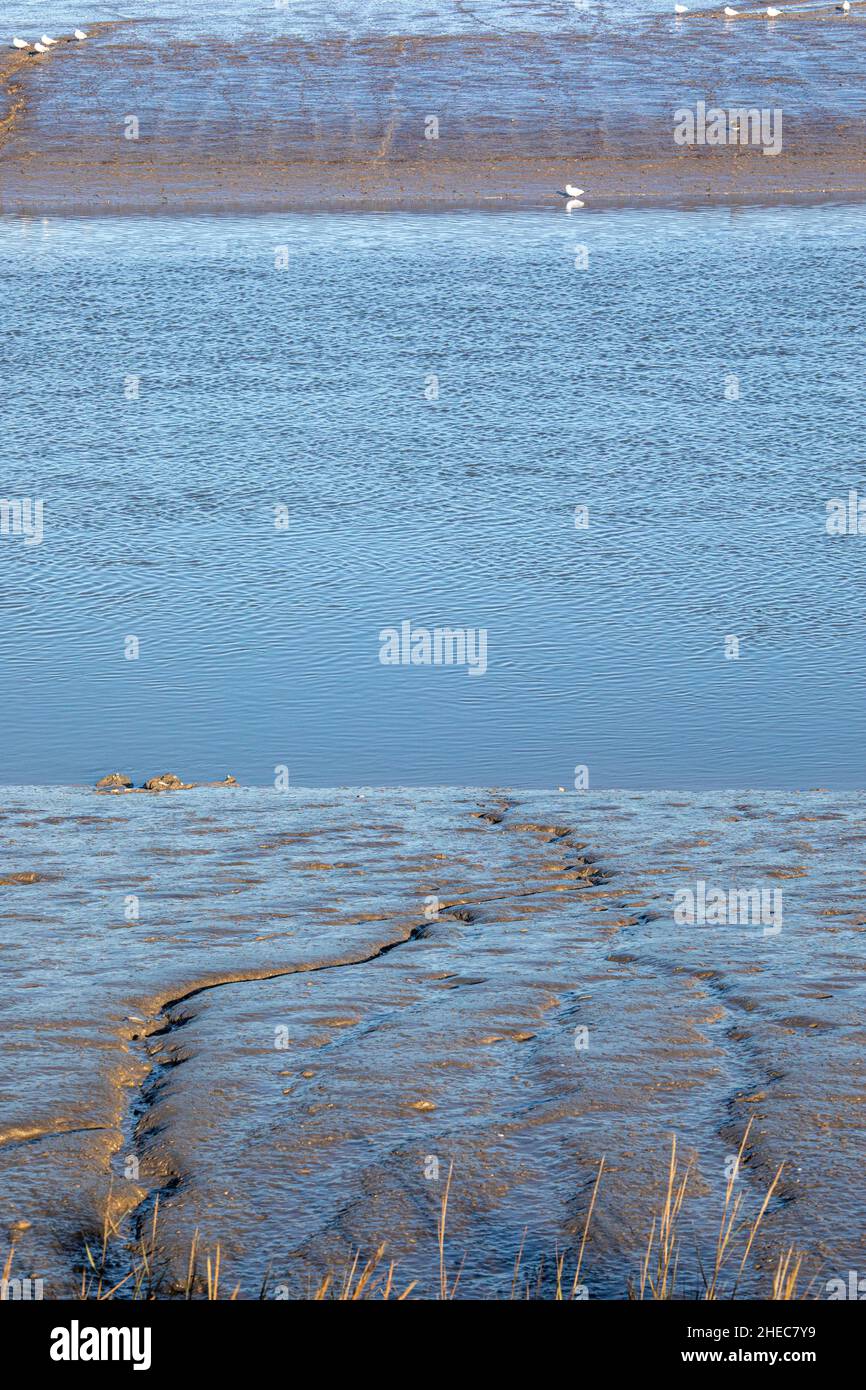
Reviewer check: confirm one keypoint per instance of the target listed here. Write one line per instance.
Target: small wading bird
(573, 195)
(80, 34)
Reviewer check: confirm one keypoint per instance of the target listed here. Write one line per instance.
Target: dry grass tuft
(659, 1268)
(375, 1278)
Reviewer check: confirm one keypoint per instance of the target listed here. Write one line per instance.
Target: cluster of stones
(167, 782)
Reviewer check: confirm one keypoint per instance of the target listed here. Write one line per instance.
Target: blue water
(558, 387)
(337, 17)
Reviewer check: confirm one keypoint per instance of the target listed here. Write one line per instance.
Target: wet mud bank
(277, 1021)
(138, 119)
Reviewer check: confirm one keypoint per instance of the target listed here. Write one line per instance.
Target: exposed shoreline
(340, 125)
(283, 975)
(615, 187)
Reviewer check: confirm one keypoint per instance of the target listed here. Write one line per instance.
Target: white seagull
(48, 42)
(681, 9)
(844, 7)
(80, 34)
(40, 48)
(573, 195)
(772, 12)
(730, 13)
(20, 43)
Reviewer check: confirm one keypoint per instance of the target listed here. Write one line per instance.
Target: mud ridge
(757, 1163)
(164, 1022)
(16, 1137)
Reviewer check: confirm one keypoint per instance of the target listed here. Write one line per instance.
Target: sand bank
(349, 124)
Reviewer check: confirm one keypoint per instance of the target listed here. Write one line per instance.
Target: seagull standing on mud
(730, 13)
(573, 195)
(772, 12)
(40, 48)
(48, 42)
(20, 43)
(681, 9)
(80, 34)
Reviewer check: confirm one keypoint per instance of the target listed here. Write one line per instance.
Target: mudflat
(477, 120)
(290, 1015)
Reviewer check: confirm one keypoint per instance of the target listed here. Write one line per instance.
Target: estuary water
(606, 440)
(317, 18)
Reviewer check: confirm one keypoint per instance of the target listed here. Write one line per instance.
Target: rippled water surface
(305, 388)
(316, 17)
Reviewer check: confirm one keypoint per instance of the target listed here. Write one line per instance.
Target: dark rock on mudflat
(9, 879)
(114, 779)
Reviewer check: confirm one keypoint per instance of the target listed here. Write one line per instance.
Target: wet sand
(340, 123)
(328, 998)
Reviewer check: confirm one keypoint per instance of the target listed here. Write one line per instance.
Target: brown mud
(302, 1030)
(343, 123)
